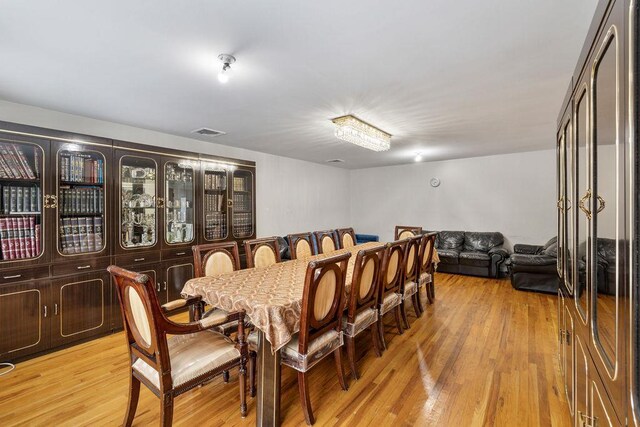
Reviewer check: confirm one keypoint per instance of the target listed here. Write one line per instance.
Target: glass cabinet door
(243, 209)
(179, 202)
(215, 201)
(560, 204)
(138, 214)
(580, 196)
(567, 204)
(607, 203)
(81, 200)
(23, 200)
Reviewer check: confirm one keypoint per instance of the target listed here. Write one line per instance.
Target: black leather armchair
(533, 267)
(473, 253)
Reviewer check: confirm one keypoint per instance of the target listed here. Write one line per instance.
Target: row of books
(21, 199)
(213, 202)
(240, 184)
(215, 181)
(14, 163)
(242, 224)
(215, 226)
(242, 202)
(89, 200)
(80, 235)
(19, 237)
(81, 168)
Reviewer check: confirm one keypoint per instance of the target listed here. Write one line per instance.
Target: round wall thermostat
(434, 182)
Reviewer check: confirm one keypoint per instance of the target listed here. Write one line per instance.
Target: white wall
(514, 194)
(291, 195)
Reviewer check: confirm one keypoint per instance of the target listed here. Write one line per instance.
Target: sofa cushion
(551, 251)
(482, 242)
(448, 256)
(607, 249)
(450, 240)
(526, 259)
(480, 259)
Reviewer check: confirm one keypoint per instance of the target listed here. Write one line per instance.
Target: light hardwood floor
(482, 355)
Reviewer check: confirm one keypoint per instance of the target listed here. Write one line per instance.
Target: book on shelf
(19, 237)
(81, 168)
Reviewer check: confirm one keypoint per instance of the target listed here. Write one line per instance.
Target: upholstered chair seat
(391, 301)
(191, 356)
(319, 347)
(363, 320)
(424, 279)
(410, 288)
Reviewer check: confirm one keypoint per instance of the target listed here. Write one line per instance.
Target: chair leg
(432, 289)
(252, 374)
(403, 313)
(225, 376)
(351, 354)
(375, 337)
(417, 304)
(398, 315)
(166, 410)
(304, 398)
(242, 380)
(381, 333)
(134, 394)
(337, 355)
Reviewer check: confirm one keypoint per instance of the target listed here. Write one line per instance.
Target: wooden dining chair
(346, 238)
(410, 281)
(391, 277)
(320, 324)
(327, 241)
(426, 268)
(301, 245)
(362, 302)
(262, 252)
(192, 356)
(404, 231)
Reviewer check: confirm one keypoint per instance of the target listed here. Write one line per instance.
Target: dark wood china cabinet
(73, 204)
(598, 229)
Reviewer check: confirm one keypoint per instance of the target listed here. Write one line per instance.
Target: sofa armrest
(521, 248)
(499, 251)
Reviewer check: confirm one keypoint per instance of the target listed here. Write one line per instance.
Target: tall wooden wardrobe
(597, 163)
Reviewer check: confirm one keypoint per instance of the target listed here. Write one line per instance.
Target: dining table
(272, 299)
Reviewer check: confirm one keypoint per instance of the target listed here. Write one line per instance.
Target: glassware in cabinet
(138, 202)
(179, 219)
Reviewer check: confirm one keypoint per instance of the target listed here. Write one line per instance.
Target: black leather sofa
(533, 267)
(472, 253)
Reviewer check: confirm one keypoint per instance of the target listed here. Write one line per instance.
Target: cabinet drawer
(86, 266)
(169, 254)
(21, 274)
(139, 258)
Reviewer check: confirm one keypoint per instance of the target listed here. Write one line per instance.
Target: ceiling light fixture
(418, 157)
(351, 129)
(227, 60)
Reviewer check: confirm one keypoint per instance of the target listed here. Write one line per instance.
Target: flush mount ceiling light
(227, 60)
(351, 129)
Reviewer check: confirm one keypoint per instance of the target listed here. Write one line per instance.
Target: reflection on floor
(483, 354)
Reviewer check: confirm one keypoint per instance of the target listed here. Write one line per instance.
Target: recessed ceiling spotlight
(418, 157)
(227, 60)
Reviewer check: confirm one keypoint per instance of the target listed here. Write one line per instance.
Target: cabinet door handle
(45, 311)
(138, 259)
(581, 205)
(55, 309)
(158, 286)
(15, 276)
(83, 267)
(165, 286)
(180, 253)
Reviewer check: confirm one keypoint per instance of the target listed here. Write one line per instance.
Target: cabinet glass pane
(215, 202)
(242, 203)
(560, 211)
(21, 183)
(582, 222)
(138, 221)
(568, 199)
(179, 202)
(81, 202)
(605, 202)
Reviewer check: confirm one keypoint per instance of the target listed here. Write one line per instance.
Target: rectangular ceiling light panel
(351, 129)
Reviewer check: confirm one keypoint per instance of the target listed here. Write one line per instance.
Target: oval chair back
(213, 259)
(364, 292)
(411, 260)
(326, 240)
(262, 252)
(404, 231)
(301, 245)
(392, 272)
(346, 238)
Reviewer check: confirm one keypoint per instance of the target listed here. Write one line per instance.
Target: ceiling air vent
(335, 161)
(208, 132)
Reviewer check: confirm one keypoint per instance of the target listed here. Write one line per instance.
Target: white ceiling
(447, 78)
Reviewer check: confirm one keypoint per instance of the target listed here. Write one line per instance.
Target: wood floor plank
(482, 354)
